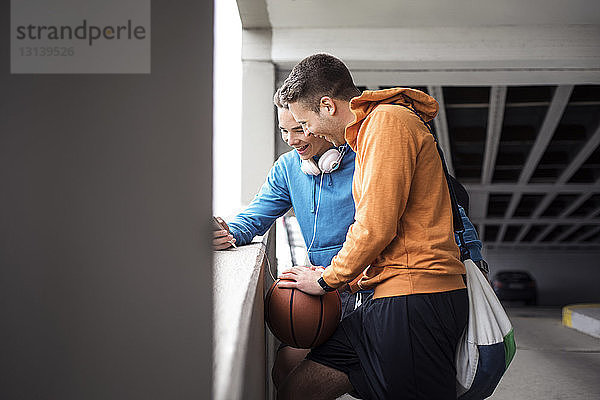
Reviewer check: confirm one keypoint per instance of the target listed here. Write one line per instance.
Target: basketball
(299, 319)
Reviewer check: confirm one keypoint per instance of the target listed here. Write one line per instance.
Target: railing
(243, 346)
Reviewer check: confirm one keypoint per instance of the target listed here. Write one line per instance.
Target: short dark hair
(277, 101)
(317, 76)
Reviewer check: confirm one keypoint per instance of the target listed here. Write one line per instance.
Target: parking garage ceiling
(530, 159)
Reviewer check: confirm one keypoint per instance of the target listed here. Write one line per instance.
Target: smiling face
(293, 135)
(321, 124)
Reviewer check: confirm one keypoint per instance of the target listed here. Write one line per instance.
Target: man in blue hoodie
(316, 180)
(322, 201)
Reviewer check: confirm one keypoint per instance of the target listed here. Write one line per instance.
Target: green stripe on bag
(510, 348)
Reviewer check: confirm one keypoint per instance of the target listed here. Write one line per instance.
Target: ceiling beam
(576, 204)
(520, 104)
(522, 232)
(418, 76)
(501, 233)
(512, 205)
(540, 221)
(542, 206)
(441, 126)
(443, 48)
(494, 129)
(539, 209)
(534, 188)
(587, 150)
(594, 213)
(546, 201)
(555, 111)
(572, 207)
(553, 117)
(587, 235)
(573, 227)
(566, 233)
(254, 14)
(544, 232)
(492, 141)
(546, 246)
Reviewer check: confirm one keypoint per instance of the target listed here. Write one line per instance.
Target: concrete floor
(552, 361)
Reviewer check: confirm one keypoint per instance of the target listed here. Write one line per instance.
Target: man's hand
(222, 239)
(302, 278)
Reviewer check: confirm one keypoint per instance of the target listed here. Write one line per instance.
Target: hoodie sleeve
(271, 202)
(387, 150)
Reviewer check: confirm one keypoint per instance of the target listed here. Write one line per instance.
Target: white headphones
(328, 162)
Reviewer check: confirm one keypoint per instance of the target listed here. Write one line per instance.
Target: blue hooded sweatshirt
(287, 186)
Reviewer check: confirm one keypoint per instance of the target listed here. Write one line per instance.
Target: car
(515, 285)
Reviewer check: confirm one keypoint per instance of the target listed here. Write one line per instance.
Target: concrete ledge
(583, 317)
(239, 342)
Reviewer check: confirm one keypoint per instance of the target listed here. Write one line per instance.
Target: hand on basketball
(302, 278)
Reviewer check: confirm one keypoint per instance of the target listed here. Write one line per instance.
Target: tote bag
(487, 346)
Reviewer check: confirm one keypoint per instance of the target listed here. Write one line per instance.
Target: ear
(327, 105)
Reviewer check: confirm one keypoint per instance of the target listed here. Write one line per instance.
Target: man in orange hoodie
(400, 344)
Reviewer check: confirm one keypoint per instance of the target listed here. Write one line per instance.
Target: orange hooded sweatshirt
(403, 223)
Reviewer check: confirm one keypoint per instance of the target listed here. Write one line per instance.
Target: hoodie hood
(361, 106)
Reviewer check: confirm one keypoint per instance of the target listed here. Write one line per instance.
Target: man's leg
(311, 380)
(286, 360)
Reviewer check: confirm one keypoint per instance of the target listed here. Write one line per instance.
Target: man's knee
(286, 360)
(311, 380)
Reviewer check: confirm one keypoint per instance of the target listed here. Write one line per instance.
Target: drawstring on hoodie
(358, 300)
(316, 215)
(313, 203)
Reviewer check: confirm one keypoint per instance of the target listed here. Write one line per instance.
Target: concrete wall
(105, 198)
(562, 277)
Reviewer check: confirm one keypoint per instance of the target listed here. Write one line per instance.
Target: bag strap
(459, 227)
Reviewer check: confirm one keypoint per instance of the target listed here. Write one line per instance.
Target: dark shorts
(399, 347)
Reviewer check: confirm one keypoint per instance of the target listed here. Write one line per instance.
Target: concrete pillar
(258, 113)
(105, 259)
